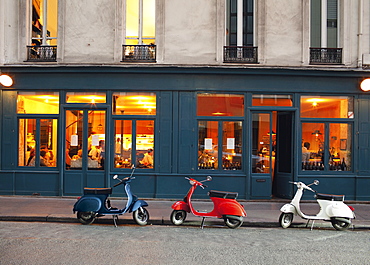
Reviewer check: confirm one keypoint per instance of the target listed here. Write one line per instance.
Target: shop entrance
(272, 154)
(85, 149)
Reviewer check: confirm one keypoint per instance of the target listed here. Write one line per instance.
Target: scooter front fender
(230, 207)
(339, 209)
(138, 204)
(87, 204)
(181, 205)
(288, 208)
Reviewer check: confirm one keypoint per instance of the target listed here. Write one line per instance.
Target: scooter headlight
(191, 182)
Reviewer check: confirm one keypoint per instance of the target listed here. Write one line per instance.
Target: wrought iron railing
(240, 54)
(42, 53)
(325, 55)
(139, 53)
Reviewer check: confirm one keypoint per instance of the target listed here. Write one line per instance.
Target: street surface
(69, 243)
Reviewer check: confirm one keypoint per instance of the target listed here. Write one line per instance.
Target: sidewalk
(259, 213)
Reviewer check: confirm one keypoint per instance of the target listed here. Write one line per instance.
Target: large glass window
(37, 141)
(272, 100)
(326, 107)
(326, 146)
(134, 143)
(209, 104)
(86, 97)
(140, 22)
(44, 22)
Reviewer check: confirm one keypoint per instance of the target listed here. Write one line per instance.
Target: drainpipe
(359, 35)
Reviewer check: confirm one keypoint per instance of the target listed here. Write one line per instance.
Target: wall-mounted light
(6, 80)
(365, 85)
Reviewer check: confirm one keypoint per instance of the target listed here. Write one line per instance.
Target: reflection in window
(220, 104)
(37, 141)
(140, 22)
(44, 22)
(326, 107)
(134, 103)
(86, 97)
(135, 149)
(272, 100)
(38, 102)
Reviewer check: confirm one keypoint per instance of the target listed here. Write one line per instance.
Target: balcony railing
(139, 53)
(325, 55)
(240, 54)
(41, 53)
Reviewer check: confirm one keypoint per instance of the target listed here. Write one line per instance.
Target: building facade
(253, 93)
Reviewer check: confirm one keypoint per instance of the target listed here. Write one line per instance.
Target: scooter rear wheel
(340, 225)
(286, 220)
(233, 221)
(141, 216)
(178, 217)
(86, 218)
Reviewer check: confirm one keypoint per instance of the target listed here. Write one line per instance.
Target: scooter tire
(86, 218)
(178, 217)
(285, 220)
(141, 216)
(340, 225)
(233, 221)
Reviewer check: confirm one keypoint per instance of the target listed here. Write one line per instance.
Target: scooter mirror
(316, 182)
(115, 177)
(209, 178)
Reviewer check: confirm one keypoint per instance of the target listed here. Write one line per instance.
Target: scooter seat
(223, 194)
(97, 190)
(329, 197)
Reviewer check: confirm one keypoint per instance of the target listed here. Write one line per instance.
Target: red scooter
(224, 206)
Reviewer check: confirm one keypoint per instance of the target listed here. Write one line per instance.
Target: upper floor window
(140, 32)
(44, 31)
(325, 32)
(44, 22)
(240, 32)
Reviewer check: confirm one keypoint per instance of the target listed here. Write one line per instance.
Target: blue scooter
(95, 203)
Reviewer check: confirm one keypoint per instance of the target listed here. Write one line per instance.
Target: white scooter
(332, 209)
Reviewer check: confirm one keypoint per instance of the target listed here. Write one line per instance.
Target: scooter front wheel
(86, 218)
(178, 217)
(286, 220)
(141, 216)
(340, 225)
(233, 221)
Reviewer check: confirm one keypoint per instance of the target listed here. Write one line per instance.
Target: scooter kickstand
(313, 221)
(114, 220)
(202, 224)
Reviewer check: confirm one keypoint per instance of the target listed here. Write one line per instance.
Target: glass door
(85, 139)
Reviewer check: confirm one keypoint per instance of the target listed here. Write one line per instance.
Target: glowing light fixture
(365, 85)
(6, 80)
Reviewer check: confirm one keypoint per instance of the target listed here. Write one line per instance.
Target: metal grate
(41, 53)
(325, 55)
(240, 54)
(139, 53)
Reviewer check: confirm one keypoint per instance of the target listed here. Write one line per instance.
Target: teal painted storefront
(176, 133)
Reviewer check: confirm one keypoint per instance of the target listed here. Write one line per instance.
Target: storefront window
(85, 97)
(232, 145)
(272, 100)
(326, 107)
(313, 146)
(208, 145)
(38, 103)
(134, 103)
(37, 141)
(319, 156)
(209, 104)
(134, 141)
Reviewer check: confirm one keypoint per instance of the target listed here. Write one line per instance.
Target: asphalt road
(69, 243)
